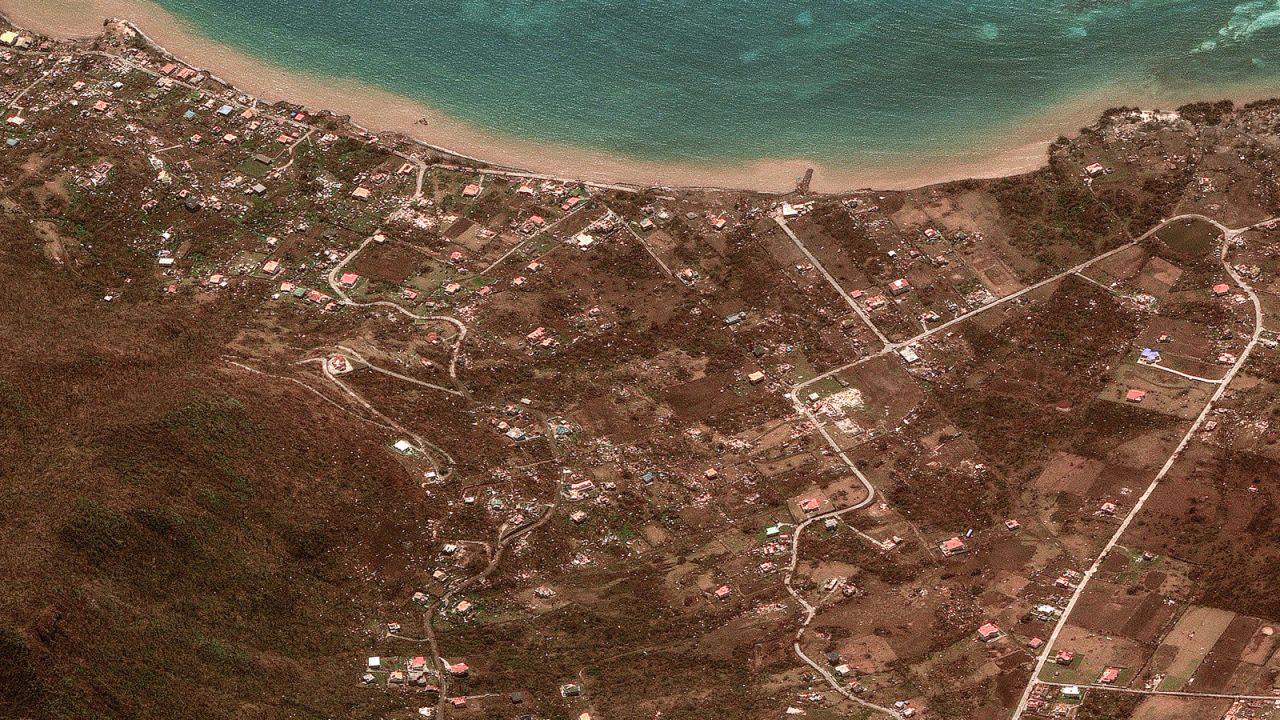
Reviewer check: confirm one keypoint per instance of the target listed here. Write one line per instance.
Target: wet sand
(381, 111)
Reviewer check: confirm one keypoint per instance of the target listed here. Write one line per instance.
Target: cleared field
(1192, 638)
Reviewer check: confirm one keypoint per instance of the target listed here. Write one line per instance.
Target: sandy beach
(382, 111)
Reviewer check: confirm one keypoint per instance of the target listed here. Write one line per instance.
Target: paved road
(342, 294)
(889, 347)
(862, 313)
(1174, 693)
(1227, 235)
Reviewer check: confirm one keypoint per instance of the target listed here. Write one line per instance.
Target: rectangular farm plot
(1092, 654)
(1180, 708)
(1190, 640)
(1225, 669)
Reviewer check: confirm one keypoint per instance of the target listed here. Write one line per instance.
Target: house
(988, 632)
(899, 287)
(517, 698)
(953, 546)
(735, 317)
(348, 279)
(772, 531)
(100, 106)
(417, 664)
(258, 189)
(831, 523)
(458, 702)
(1012, 525)
(463, 606)
(1135, 395)
(756, 377)
(1035, 643)
(908, 355)
(1108, 508)
(810, 504)
(9, 37)
(402, 446)
(932, 234)
(723, 592)
(459, 669)
(1221, 289)
(1071, 692)
(833, 658)
(374, 662)
(570, 203)
(226, 110)
(842, 670)
(570, 690)
(1109, 676)
(410, 294)
(361, 193)
(396, 678)
(471, 190)
(876, 301)
(1064, 657)
(1094, 169)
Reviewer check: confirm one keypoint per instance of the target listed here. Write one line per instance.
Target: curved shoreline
(382, 111)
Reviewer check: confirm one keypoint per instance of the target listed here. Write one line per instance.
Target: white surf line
(866, 319)
(1227, 236)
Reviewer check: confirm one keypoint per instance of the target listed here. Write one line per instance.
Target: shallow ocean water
(704, 81)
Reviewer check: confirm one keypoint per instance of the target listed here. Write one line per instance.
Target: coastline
(378, 110)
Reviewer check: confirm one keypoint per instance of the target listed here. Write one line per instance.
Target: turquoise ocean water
(709, 80)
